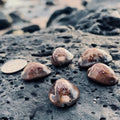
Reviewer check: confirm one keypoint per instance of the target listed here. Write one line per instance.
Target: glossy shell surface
(61, 57)
(34, 71)
(63, 93)
(92, 56)
(102, 74)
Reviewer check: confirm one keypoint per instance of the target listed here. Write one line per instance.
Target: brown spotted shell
(103, 74)
(34, 71)
(92, 56)
(63, 93)
(61, 57)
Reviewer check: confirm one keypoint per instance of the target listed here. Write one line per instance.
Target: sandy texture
(21, 100)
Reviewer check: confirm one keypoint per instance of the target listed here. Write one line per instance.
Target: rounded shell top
(103, 74)
(61, 57)
(34, 71)
(92, 56)
(63, 93)
(13, 66)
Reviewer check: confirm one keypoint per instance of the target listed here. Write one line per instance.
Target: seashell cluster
(102, 74)
(92, 56)
(61, 57)
(34, 71)
(63, 93)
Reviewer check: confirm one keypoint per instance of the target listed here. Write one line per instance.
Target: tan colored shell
(103, 74)
(61, 57)
(34, 71)
(63, 93)
(13, 66)
(92, 56)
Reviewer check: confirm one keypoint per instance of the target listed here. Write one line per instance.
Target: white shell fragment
(13, 66)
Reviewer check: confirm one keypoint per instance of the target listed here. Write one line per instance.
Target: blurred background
(100, 17)
(29, 12)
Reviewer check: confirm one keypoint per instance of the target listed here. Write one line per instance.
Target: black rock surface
(101, 22)
(102, 18)
(31, 28)
(2, 2)
(5, 21)
(20, 100)
(50, 3)
(25, 29)
(57, 13)
(98, 4)
(17, 17)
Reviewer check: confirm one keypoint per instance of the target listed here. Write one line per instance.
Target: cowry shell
(92, 56)
(63, 93)
(34, 71)
(102, 74)
(61, 57)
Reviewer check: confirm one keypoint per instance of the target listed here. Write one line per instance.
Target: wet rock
(94, 45)
(84, 2)
(42, 54)
(102, 74)
(66, 36)
(69, 19)
(109, 46)
(15, 32)
(67, 10)
(114, 107)
(61, 57)
(17, 17)
(101, 22)
(106, 4)
(35, 71)
(116, 56)
(61, 29)
(63, 93)
(2, 2)
(102, 118)
(4, 118)
(31, 28)
(22, 30)
(5, 21)
(9, 32)
(92, 56)
(50, 3)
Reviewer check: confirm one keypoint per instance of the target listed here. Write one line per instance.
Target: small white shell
(13, 66)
